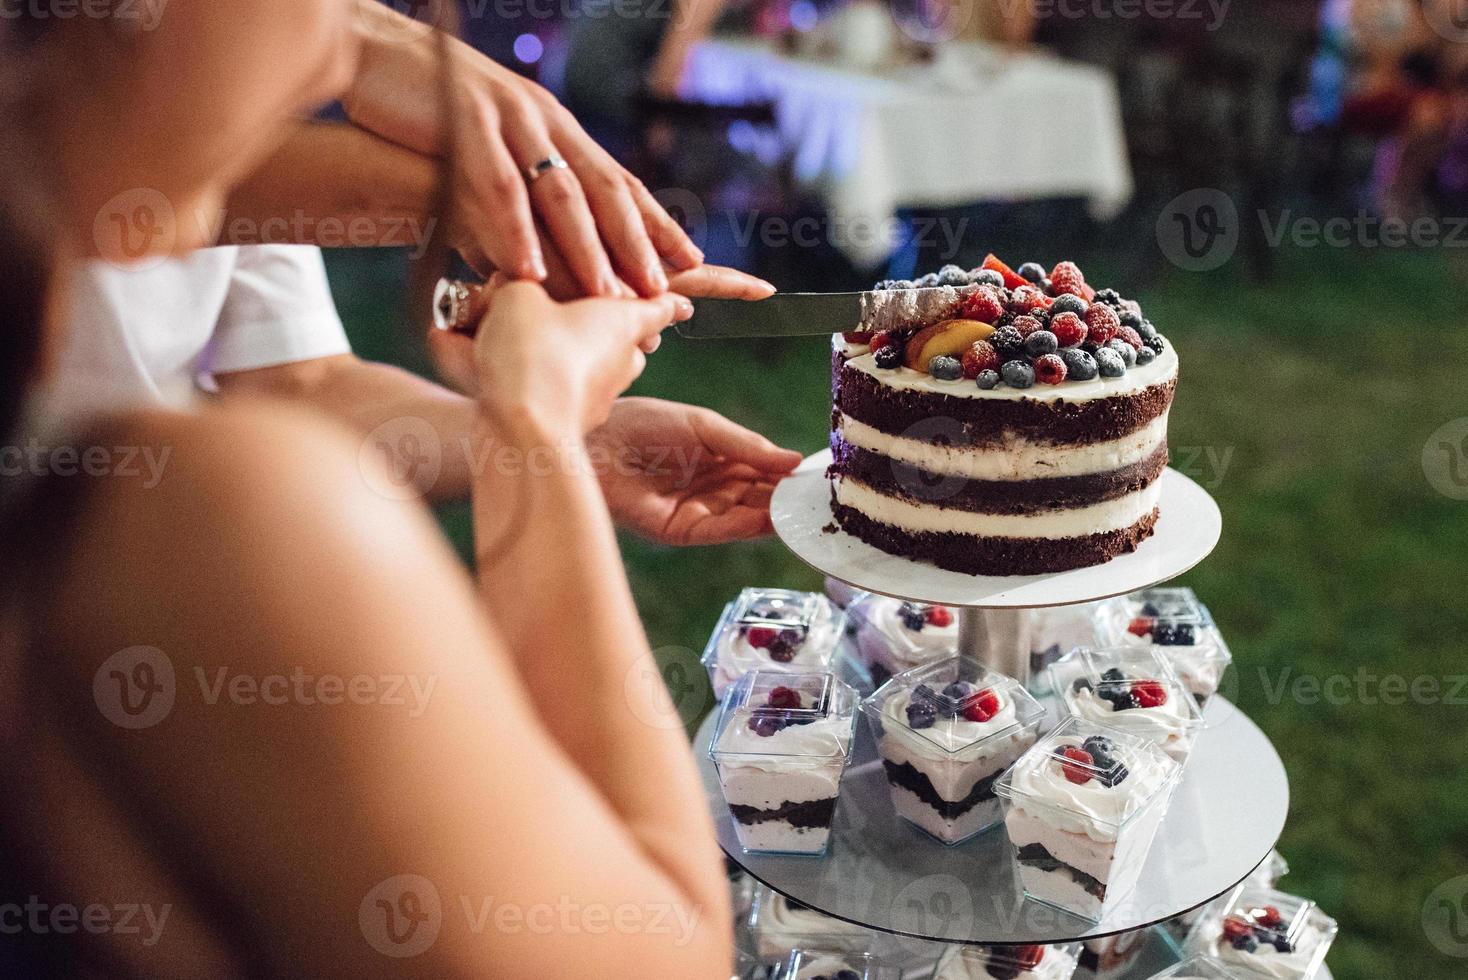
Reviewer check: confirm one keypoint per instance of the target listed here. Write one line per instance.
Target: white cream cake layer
(780, 835)
(1016, 458)
(910, 808)
(1068, 522)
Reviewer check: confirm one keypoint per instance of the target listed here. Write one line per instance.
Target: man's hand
(505, 124)
(683, 475)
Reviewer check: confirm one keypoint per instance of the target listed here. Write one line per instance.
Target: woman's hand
(546, 370)
(505, 124)
(684, 475)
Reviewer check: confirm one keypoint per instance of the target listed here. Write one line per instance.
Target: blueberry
(1281, 944)
(1080, 684)
(1069, 303)
(1245, 942)
(1149, 608)
(921, 714)
(1127, 352)
(1098, 743)
(1113, 674)
(1048, 286)
(1079, 366)
(846, 975)
(987, 379)
(1110, 363)
(1033, 271)
(926, 282)
(952, 275)
(1156, 343)
(1108, 296)
(1041, 342)
(958, 690)
(912, 617)
(1018, 374)
(1009, 343)
(1146, 329)
(1130, 318)
(986, 277)
(890, 356)
(1146, 355)
(1174, 635)
(945, 368)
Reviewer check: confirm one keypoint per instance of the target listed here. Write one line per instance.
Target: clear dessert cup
(1111, 957)
(1264, 933)
(1132, 689)
(772, 630)
(1196, 968)
(778, 926)
(894, 635)
(1054, 632)
(831, 964)
(945, 732)
(1082, 807)
(1177, 627)
(1266, 875)
(1057, 962)
(781, 745)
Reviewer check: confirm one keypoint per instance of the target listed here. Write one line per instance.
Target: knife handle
(458, 306)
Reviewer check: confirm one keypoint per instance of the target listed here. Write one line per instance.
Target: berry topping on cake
(1146, 355)
(1068, 328)
(783, 647)
(1069, 303)
(760, 637)
(981, 706)
(980, 357)
(1011, 278)
(1109, 363)
(1079, 365)
(1027, 298)
(1075, 764)
(922, 711)
(1130, 336)
(882, 339)
(939, 616)
(945, 368)
(913, 616)
(1123, 350)
(1049, 369)
(981, 276)
(952, 275)
(988, 379)
(1149, 694)
(1017, 374)
(765, 725)
(1235, 926)
(889, 357)
(1009, 342)
(1268, 916)
(1066, 278)
(784, 697)
(946, 338)
(1101, 322)
(1032, 271)
(1040, 343)
(984, 304)
(1027, 325)
(1174, 634)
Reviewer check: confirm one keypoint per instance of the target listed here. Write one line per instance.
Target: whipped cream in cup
(1177, 627)
(894, 635)
(781, 745)
(1196, 968)
(1056, 962)
(945, 731)
(1264, 933)
(780, 926)
(821, 964)
(1082, 807)
(1132, 689)
(772, 630)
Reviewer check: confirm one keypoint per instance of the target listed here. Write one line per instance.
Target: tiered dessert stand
(885, 874)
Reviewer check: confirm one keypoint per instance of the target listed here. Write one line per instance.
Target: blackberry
(1006, 318)
(1130, 318)
(952, 275)
(1109, 363)
(1281, 944)
(985, 277)
(1146, 331)
(1114, 774)
(1041, 342)
(926, 282)
(1113, 674)
(1079, 365)
(1042, 314)
(1018, 374)
(1145, 355)
(1156, 343)
(1245, 942)
(1174, 635)
(1098, 743)
(1080, 684)
(945, 368)
(921, 713)
(889, 356)
(1108, 296)
(1124, 350)
(912, 617)
(987, 379)
(1069, 303)
(1008, 342)
(781, 651)
(1033, 271)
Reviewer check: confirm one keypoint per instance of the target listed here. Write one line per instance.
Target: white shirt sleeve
(278, 310)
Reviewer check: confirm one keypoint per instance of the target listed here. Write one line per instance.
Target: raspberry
(1148, 694)
(940, 616)
(1027, 298)
(1066, 278)
(760, 637)
(857, 336)
(1102, 323)
(982, 706)
(784, 697)
(1049, 369)
(1027, 324)
(1068, 329)
(1268, 916)
(883, 338)
(1141, 626)
(1074, 763)
(1235, 926)
(1129, 335)
(980, 356)
(983, 304)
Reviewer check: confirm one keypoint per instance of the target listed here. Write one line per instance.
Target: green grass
(1319, 390)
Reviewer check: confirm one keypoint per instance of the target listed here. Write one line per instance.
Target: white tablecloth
(977, 124)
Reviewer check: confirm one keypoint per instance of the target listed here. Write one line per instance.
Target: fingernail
(683, 308)
(534, 267)
(657, 277)
(768, 287)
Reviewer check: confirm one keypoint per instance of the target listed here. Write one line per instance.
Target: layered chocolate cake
(1000, 422)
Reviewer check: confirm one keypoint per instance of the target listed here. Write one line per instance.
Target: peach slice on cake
(949, 338)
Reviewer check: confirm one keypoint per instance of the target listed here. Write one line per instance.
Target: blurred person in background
(277, 837)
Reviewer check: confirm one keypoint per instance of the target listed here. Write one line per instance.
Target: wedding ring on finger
(539, 169)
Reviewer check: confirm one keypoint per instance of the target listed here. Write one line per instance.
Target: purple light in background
(528, 48)
(803, 15)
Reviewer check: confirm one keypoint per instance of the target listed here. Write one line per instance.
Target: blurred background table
(977, 123)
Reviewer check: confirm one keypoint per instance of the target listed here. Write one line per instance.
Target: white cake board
(1188, 528)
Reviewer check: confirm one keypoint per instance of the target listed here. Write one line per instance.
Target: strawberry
(980, 356)
(1149, 694)
(981, 706)
(1049, 369)
(940, 616)
(1074, 764)
(857, 336)
(1068, 329)
(1130, 336)
(983, 304)
(1011, 278)
(1027, 957)
(784, 697)
(1235, 926)
(1102, 323)
(1066, 278)
(1026, 325)
(760, 637)
(1141, 626)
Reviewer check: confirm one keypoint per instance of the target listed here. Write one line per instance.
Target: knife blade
(780, 315)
